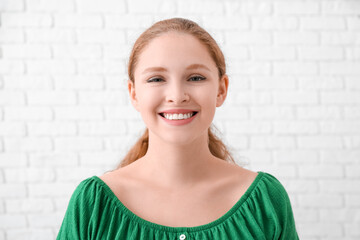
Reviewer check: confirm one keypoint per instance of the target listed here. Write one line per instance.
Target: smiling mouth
(163, 115)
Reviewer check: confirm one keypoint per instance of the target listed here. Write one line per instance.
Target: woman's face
(176, 72)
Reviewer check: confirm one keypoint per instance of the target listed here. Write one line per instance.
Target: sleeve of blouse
(75, 224)
(284, 212)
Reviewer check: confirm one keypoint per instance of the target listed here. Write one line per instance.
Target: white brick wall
(293, 107)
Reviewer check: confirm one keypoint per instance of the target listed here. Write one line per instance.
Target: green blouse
(263, 212)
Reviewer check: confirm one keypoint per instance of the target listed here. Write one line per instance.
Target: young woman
(178, 181)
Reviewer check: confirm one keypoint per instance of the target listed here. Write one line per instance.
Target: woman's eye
(154, 80)
(197, 78)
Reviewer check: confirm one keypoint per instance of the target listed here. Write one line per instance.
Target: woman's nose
(177, 94)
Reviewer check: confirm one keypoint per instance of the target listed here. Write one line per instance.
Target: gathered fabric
(263, 212)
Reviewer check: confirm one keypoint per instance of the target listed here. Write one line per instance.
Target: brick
(271, 113)
(28, 144)
(352, 142)
(339, 38)
(344, 67)
(248, 7)
(248, 38)
(69, 51)
(101, 6)
(235, 52)
(338, 215)
(320, 142)
(321, 171)
(16, 20)
(274, 23)
(352, 112)
(227, 112)
(14, 5)
(320, 230)
(105, 97)
(249, 127)
(51, 98)
(52, 129)
(99, 158)
(296, 8)
(50, 36)
(322, 23)
(320, 200)
(79, 82)
(78, 20)
(295, 98)
(93, 36)
(13, 160)
(318, 112)
(12, 221)
(29, 175)
(340, 8)
(11, 35)
(340, 97)
(340, 127)
(12, 190)
(78, 143)
(271, 142)
(31, 51)
(50, 6)
(273, 83)
(27, 113)
(302, 187)
(191, 7)
(296, 38)
(321, 83)
(27, 82)
(295, 68)
(53, 159)
(340, 156)
(12, 98)
(352, 229)
(12, 129)
(272, 53)
(78, 113)
(296, 156)
(340, 186)
(51, 67)
(353, 23)
(156, 6)
(234, 22)
(249, 68)
(321, 53)
(116, 112)
(43, 220)
(298, 127)
(76, 174)
(29, 205)
(102, 128)
(305, 215)
(117, 51)
(39, 234)
(352, 200)
(257, 98)
(50, 189)
(248, 156)
(11, 67)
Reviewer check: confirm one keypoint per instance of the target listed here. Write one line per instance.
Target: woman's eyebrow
(154, 69)
(197, 65)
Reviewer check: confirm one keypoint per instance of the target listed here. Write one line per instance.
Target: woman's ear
(132, 94)
(222, 92)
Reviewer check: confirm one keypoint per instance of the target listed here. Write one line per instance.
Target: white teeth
(178, 116)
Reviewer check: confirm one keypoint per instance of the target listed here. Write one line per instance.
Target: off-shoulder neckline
(142, 221)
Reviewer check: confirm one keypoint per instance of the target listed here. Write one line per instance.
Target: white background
(293, 108)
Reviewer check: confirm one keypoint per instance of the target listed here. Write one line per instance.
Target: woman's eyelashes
(196, 78)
